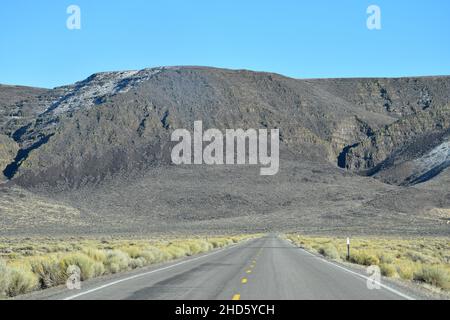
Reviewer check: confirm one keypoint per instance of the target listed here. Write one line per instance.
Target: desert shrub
(152, 255)
(235, 239)
(116, 261)
(206, 246)
(14, 255)
(95, 254)
(364, 258)
(133, 252)
(4, 278)
(215, 243)
(406, 269)
(99, 269)
(196, 247)
(220, 242)
(137, 263)
(185, 247)
(387, 270)
(22, 281)
(435, 275)
(200, 246)
(329, 251)
(175, 252)
(420, 257)
(161, 255)
(48, 271)
(80, 260)
(386, 258)
(446, 257)
(61, 248)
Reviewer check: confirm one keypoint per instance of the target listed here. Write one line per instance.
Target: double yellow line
(249, 270)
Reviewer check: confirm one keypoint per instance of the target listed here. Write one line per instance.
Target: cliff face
(407, 151)
(348, 133)
(21, 105)
(8, 150)
(396, 97)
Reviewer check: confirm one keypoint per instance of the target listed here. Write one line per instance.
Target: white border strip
(150, 272)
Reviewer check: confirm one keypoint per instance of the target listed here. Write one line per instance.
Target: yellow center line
(244, 280)
(236, 297)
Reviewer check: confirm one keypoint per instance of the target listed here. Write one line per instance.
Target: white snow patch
(436, 157)
(84, 94)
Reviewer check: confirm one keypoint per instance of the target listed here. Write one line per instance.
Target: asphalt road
(265, 268)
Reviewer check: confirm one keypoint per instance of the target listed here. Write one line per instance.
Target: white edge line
(357, 274)
(149, 272)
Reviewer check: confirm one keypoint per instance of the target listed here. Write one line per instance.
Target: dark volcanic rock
(405, 151)
(116, 122)
(95, 155)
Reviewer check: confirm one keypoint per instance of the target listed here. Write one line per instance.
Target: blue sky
(302, 39)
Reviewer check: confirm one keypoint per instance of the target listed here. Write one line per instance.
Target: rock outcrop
(8, 151)
(405, 151)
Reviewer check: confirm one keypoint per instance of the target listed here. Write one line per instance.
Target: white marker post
(348, 249)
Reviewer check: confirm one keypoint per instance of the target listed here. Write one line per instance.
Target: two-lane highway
(260, 269)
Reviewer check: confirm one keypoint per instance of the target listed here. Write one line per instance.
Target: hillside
(102, 146)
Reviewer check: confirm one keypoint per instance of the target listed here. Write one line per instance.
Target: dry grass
(424, 260)
(21, 207)
(4, 278)
(28, 265)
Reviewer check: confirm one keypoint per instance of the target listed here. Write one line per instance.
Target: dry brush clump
(22, 280)
(15, 280)
(4, 278)
(436, 275)
(48, 270)
(424, 260)
(329, 251)
(29, 265)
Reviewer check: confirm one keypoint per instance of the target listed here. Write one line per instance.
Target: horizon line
(6, 84)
